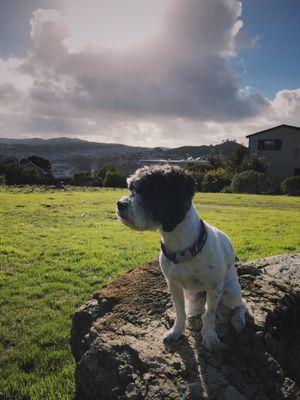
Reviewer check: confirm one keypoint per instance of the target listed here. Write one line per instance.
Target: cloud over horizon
(178, 87)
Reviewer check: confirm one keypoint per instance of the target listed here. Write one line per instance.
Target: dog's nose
(121, 205)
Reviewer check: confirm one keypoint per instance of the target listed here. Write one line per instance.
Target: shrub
(30, 175)
(255, 162)
(96, 181)
(199, 167)
(114, 179)
(101, 173)
(227, 189)
(215, 160)
(198, 178)
(233, 163)
(248, 182)
(291, 186)
(82, 178)
(197, 171)
(215, 180)
(272, 187)
(14, 174)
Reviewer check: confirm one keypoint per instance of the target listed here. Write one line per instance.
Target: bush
(96, 182)
(215, 160)
(215, 180)
(255, 162)
(249, 182)
(114, 179)
(198, 178)
(272, 187)
(30, 175)
(233, 163)
(197, 171)
(14, 174)
(199, 167)
(227, 189)
(82, 178)
(291, 186)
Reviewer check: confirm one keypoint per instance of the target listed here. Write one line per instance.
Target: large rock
(117, 343)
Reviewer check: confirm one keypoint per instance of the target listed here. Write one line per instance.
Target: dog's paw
(172, 335)
(210, 340)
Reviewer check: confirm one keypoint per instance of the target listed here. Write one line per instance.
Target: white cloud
(176, 88)
(287, 105)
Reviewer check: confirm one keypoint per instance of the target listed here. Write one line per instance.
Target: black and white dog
(195, 256)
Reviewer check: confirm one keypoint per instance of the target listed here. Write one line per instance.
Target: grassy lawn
(57, 248)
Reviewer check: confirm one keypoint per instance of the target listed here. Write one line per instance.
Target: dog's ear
(177, 199)
(167, 193)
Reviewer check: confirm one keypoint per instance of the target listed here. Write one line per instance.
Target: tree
(13, 174)
(101, 173)
(215, 161)
(215, 180)
(199, 167)
(197, 171)
(82, 178)
(41, 162)
(110, 176)
(255, 162)
(233, 163)
(2, 168)
(30, 175)
(114, 179)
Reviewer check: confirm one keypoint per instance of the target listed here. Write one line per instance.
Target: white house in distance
(281, 147)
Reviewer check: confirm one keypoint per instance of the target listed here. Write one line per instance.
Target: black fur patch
(166, 191)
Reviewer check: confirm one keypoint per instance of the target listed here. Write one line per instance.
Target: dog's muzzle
(122, 207)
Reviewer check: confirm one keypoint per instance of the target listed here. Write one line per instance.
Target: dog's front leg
(209, 336)
(177, 295)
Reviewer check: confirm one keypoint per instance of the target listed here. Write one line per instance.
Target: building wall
(282, 162)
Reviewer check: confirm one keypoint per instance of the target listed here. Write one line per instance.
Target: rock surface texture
(117, 342)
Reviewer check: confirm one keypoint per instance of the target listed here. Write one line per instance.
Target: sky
(148, 73)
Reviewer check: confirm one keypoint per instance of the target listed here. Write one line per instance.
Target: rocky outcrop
(117, 342)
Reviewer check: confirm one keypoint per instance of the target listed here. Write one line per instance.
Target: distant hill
(196, 151)
(69, 155)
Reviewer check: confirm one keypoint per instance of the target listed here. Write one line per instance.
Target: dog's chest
(192, 275)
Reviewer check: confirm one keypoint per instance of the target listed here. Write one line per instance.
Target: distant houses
(281, 147)
(40, 173)
(181, 162)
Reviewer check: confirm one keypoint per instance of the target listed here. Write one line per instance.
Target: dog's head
(160, 198)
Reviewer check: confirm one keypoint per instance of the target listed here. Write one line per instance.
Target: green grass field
(57, 248)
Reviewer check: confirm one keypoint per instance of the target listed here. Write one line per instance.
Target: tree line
(240, 172)
(32, 170)
(35, 170)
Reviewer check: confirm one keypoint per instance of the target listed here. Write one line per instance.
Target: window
(297, 171)
(269, 144)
